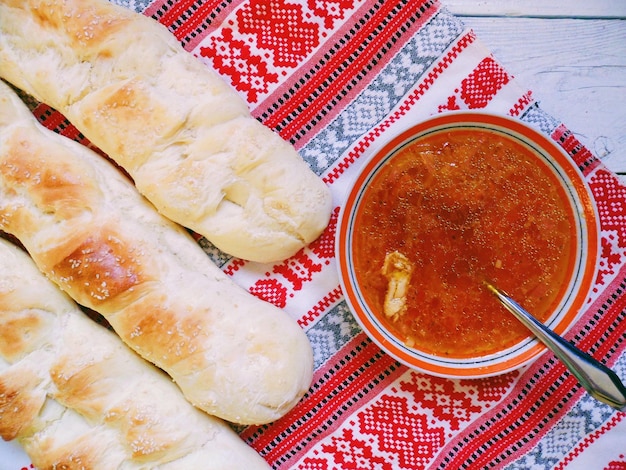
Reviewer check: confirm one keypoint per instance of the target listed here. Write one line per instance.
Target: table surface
(571, 53)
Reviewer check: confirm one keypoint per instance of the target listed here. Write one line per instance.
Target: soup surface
(450, 211)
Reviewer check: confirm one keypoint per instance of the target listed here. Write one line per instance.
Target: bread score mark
(61, 191)
(232, 354)
(21, 399)
(75, 397)
(127, 84)
(105, 266)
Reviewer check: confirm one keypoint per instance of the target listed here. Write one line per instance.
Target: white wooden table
(571, 53)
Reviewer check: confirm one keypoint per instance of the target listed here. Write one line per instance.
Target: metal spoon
(600, 381)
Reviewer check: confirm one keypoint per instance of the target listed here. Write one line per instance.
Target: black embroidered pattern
(188, 14)
(345, 65)
(358, 397)
(546, 421)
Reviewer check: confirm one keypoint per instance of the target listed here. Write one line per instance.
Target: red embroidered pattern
(521, 419)
(610, 197)
(286, 278)
(356, 51)
(364, 410)
(188, 20)
(427, 82)
(330, 11)
(585, 160)
(456, 403)
(280, 28)
(483, 83)
(324, 246)
(55, 121)
(271, 291)
(617, 464)
(298, 269)
(321, 307)
(522, 104)
(350, 453)
(402, 431)
(479, 87)
(326, 405)
(408, 425)
(248, 71)
(390, 436)
(442, 397)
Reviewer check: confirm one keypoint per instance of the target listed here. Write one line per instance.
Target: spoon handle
(600, 381)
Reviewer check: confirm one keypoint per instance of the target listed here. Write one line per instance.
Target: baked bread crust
(184, 135)
(86, 227)
(75, 397)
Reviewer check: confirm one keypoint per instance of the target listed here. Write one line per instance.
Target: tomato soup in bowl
(454, 202)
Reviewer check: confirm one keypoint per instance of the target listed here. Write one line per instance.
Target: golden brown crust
(87, 452)
(126, 83)
(61, 192)
(114, 110)
(151, 326)
(232, 354)
(75, 397)
(87, 24)
(106, 267)
(21, 399)
(22, 330)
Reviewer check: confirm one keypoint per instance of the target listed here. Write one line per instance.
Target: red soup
(450, 211)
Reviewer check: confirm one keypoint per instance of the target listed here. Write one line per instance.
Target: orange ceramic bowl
(435, 319)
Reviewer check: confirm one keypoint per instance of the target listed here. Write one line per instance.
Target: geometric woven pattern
(336, 79)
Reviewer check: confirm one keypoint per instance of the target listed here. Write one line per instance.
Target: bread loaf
(88, 229)
(75, 397)
(184, 135)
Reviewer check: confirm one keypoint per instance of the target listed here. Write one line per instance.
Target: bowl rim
(588, 232)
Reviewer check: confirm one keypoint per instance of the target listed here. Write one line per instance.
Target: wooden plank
(576, 69)
(615, 9)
